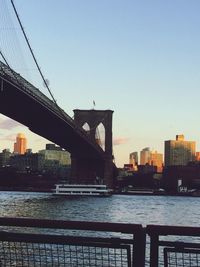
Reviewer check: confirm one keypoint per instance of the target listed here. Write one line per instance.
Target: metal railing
(33, 242)
(174, 246)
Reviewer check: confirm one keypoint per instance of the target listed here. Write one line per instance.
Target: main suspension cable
(31, 50)
(81, 131)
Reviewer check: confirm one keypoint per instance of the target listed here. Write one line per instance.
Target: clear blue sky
(138, 58)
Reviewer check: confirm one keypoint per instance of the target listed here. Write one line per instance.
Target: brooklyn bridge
(23, 102)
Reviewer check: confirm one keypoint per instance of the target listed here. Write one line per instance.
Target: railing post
(139, 247)
(154, 250)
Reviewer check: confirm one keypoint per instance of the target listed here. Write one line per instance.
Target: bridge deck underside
(24, 108)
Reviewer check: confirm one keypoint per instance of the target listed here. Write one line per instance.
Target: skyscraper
(156, 159)
(179, 151)
(133, 159)
(145, 156)
(20, 144)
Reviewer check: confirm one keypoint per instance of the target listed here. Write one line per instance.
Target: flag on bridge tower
(94, 104)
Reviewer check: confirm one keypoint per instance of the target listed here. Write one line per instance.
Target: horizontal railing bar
(172, 230)
(61, 240)
(76, 225)
(178, 244)
(183, 250)
(158, 230)
(64, 239)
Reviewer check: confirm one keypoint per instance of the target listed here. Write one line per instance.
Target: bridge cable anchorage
(34, 58)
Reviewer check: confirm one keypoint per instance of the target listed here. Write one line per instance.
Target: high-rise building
(145, 156)
(133, 159)
(20, 144)
(156, 159)
(179, 151)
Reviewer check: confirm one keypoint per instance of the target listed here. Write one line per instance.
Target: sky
(140, 59)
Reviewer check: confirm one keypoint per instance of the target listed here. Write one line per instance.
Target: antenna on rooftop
(94, 104)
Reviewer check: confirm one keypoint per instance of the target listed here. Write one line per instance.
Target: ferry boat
(81, 190)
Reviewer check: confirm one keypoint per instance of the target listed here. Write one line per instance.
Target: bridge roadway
(23, 102)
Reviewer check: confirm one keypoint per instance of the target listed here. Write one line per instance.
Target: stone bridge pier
(89, 170)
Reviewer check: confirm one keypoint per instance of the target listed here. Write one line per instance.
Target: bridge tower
(86, 169)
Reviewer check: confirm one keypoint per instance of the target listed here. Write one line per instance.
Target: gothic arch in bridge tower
(96, 119)
(100, 135)
(86, 127)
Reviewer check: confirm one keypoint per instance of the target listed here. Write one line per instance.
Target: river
(165, 210)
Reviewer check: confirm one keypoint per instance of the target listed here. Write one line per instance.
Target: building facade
(5, 157)
(179, 152)
(197, 157)
(145, 156)
(21, 144)
(28, 162)
(56, 153)
(133, 159)
(156, 159)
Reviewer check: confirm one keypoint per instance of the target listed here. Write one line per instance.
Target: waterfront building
(188, 176)
(20, 144)
(145, 156)
(5, 157)
(57, 154)
(156, 159)
(147, 168)
(28, 162)
(133, 159)
(57, 161)
(179, 151)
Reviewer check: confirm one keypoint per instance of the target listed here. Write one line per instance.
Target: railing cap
(172, 230)
(76, 225)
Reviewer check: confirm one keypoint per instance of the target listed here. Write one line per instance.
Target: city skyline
(139, 59)
(43, 142)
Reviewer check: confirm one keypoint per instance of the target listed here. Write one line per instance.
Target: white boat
(81, 190)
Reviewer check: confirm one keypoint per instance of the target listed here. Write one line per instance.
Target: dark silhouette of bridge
(23, 102)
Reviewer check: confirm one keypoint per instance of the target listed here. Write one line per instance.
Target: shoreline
(135, 193)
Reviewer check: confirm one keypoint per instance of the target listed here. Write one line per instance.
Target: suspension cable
(2, 55)
(38, 67)
(31, 50)
(6, 62)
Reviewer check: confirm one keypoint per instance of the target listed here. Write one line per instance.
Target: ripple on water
(118, 208)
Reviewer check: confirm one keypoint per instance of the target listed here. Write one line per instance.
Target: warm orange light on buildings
(156, 159)
(197, 156)
(179, 151)
(20, 144)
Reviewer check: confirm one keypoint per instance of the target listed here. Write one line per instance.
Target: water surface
(167, 210)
